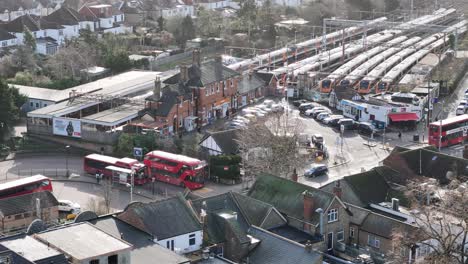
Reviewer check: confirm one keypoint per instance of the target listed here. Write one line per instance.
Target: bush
(225, 166)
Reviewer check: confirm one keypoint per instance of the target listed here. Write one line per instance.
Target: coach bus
(37, 183)
(176, 169)
(449, 131)
(96, 163)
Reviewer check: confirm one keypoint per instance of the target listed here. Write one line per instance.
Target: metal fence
(51, 173)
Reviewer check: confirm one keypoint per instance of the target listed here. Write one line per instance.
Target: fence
(51, 173)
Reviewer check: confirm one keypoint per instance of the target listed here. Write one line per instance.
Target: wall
(9, 223)
(71, 31)
(7, 43)
(385, 244)
(211, 146)
(107, 22)
(181, 243)
(36, 104)
(341, 225)
(124, 257)
(211, 95)
(134, 19)
(214, 5)
(87, 24)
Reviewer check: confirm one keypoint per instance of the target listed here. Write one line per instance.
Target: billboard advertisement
(67, 127)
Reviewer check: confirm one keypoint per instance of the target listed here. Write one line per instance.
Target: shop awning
(397, 117)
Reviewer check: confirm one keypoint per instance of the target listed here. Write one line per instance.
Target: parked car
(306, 106)
(314, 109)
(321, 116)
(297, 103)
(460, 110)
(243, 119)
(367, 128)
(332, 118)
(319, 111)
(463, 103)
(277, 108)
(316, 170)
(347, 123)
(68, 206)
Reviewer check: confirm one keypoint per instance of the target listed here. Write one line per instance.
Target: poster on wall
(67, 127)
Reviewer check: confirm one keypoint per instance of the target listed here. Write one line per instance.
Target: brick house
(198, 95)
(17, 212)
(300, 205)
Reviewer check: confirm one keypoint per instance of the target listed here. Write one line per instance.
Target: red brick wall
(215, 93)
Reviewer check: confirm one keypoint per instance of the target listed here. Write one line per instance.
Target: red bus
(37, 183)
(96, 162)
(454, 131)
(176, 169)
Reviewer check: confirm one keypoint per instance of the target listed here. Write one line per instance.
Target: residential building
(307, 209)
(220, 143)
(244, 229)
(108, 18)
(7, 40)
(83, 243)
(214, 4)
(144, 250)
(133, 11)
(18, 26)
(17, 212)
(32, 250)
(168, 9)
(10, 10)
(284, 3)
(171, 222)
(69, 22)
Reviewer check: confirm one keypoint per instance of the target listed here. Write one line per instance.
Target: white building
(7, 40)
(172, 223)
(214, 4)
(290, 3)
(104, 18)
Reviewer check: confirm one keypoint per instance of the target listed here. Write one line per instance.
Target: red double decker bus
(37, 183)
(176, 169)
(449, 131)
(94, 163)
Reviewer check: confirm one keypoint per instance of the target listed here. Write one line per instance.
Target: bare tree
(107, 194)
(96, 205)
(441, 216)
(271, 147)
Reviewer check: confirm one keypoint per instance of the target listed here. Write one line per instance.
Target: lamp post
(130, 185)
(67, 172)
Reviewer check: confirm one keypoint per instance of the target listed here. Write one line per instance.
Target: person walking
(98, 176)
(399, 135)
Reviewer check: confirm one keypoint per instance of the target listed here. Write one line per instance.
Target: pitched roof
(431, 163)
(248, 212)
(163, 219)
(249, 83)
(4, 35)
(287, 196)
(384, 226)
(226, 140)
(267, 77)
(19, 24)
(15, 258)
(276, 249)
(144, 249)
(65, 16)
(371, 186)
(26, 202)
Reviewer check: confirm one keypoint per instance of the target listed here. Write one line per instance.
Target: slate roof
(249, 83)
(162, 219)
(287, 196)
(19, 24)
(4, 35)
(248, 210)
(26, 203)
(384, 226)
(267, 77)
(65, 16)
(275, 249)
(433, 164)
(168, 99)
(144, 249)
(226, 140)
(371, 186)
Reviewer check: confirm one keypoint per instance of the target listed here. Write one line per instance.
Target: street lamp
(67, 173)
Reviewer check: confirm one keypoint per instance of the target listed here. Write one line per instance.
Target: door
(330, 241)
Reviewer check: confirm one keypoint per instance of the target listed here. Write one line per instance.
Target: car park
(68, 206)
(367, 128)
(316, 170)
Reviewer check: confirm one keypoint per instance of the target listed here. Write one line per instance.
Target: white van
(460, 110)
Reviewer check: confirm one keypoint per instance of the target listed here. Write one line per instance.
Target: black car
(367, 129)
(316, 170)
(297, 103)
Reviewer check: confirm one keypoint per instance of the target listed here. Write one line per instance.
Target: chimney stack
(294, 175)
(157, 89)
(308, 246)
(337, 189)
(183, 73)
(395, 204)
(308, 209)
(196, 60)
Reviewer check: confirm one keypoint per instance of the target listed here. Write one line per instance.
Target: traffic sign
(138, 152)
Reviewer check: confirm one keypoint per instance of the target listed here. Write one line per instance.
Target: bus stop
(120, 175)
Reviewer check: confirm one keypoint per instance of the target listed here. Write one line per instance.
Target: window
(191, 239)
(45, 105)
(26, 215)
(60, 32)
(4, 43)
(340, 235)
(18, 216)
(37, 104)
(217, 88)
(114, 259)
(206, 91)
(373, 241)
(168, 246)
(94, 261)
(351, 232)
(332, 215)
(31, 104)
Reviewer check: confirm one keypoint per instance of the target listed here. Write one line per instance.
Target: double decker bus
(449, 131)
(37, 183)
(94, 163)
(176, 169)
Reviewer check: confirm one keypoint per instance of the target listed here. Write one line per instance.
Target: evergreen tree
(10, 102)
(161, 23)
(29, 39)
